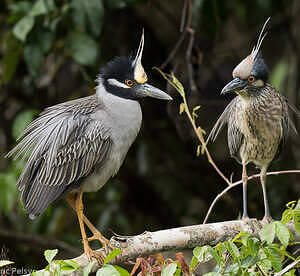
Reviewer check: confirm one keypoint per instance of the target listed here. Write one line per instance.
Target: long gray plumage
(82, 143)
(65, 144)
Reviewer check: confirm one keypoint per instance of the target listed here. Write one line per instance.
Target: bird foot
(93, 254)
(105, 242)
(267, 219)
(245, 218)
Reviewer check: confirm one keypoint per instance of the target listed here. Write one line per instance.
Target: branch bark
(178, 239)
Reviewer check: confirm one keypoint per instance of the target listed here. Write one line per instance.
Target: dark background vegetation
(52, 50)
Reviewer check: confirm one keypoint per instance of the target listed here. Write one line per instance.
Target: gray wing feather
(65, 144)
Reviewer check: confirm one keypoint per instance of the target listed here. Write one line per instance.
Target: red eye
(129, 83)
(251, 79)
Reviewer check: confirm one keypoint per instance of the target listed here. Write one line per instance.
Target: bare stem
(238, 183)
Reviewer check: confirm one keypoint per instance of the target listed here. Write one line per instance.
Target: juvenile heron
(76, 146)
(257, 118)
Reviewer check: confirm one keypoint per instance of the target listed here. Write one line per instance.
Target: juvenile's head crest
(244, 68)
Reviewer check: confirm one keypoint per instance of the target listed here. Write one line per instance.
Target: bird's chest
(260, 125)
(124, 121)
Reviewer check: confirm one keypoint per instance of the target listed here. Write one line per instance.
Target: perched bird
(77, 146)
(257, 118)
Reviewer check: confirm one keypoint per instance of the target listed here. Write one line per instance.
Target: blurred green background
(52, 50)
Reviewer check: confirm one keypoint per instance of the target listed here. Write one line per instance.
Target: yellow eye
(129, 83)
(251, 79)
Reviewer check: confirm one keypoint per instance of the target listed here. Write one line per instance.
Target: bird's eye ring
(251, 79)
(129, 83)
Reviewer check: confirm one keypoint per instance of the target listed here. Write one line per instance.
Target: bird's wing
(286, 123)
(64, 144)
(235, 137)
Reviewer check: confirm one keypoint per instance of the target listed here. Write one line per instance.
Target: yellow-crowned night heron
(76, 146)
(258, 119)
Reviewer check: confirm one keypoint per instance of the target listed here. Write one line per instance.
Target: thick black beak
(146, 89)
(235, 85)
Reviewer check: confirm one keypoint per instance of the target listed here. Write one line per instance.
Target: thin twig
(188, 60)
(185, 25)
(238, 183)
(287, 268)
(183, 15)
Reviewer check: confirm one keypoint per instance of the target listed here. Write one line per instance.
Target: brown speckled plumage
(258, 119)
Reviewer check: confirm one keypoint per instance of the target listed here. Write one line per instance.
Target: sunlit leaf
(274, 258)
(112, 271)
(50, 254)
(267, 233)
(282, 233)
(86, 271)
(23, 27)
(296, 217)
(169, 270)
(112, 255)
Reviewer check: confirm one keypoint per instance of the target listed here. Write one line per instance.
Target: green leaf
(94, 13)
(33, 56)
(169, 270)
(116, 4)
(279, 74)
(21, 121)
(23, 27)
(44, 39)
(82, 47)
(5, 262)
(193, 263)
(253, 246)
(88, 14)
(68, 265)
(86, 271)
(50, 254)
(213, 274)
(112, 255)
(112, 271)
(264, 262)
(232, 249)
(11, 57)
(8, 193)
(39, 8)
(274, 258)
(287, 215)
(267, 233)
(296, 217)
(121, 271)
(282, 232)
(20, 7)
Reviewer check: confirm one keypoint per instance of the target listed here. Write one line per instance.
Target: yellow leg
(96, 233)
(79, 211)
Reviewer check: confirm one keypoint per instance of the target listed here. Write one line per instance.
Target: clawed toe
(267, 219)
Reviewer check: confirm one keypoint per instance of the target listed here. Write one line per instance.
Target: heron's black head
(251, 73)
(125, 77)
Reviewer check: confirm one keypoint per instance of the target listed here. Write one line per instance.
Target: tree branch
(177, 239)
